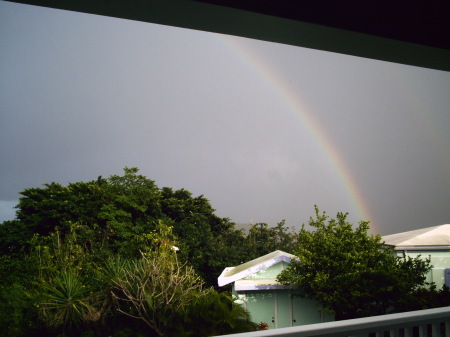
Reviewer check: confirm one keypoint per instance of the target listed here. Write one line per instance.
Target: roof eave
(423, 248)
(224, 280)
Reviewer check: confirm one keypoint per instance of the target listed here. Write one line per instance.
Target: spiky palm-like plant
(66, 302)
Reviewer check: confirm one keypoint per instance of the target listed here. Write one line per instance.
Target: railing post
(447, 329)
(435, 330)
(408, 332)
(422, 330)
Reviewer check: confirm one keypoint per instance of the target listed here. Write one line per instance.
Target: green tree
(197, 228)
(50, 256)
(15, 265)
(263, 239)
(113, 211)
(349, 271)
(115, 215)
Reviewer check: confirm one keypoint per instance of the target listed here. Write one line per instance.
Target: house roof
(232, 274)
(431, 238)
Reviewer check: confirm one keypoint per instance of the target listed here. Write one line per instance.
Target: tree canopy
(78, 259)
(64, 238)
(114, 215)
(349, 271)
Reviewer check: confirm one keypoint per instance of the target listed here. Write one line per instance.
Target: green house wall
(279, 308)
(440, 260)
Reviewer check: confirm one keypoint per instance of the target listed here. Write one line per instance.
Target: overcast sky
(263, 130)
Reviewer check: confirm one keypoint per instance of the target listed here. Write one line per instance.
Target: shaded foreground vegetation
(122, 257)
(97, 259)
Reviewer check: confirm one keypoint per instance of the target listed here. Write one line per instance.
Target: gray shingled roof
(431, 237)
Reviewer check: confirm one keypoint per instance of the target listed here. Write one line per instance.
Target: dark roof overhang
(412, 33)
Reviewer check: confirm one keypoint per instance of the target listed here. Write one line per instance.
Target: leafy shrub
(18, 314)
(216, 314)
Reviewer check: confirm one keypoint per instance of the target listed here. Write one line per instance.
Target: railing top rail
(354, 325)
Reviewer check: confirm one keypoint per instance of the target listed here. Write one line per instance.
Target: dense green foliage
(350, 272)
(56, 255)
(216, 314)
(97, 259)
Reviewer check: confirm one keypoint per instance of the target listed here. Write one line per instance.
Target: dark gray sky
(263, 130)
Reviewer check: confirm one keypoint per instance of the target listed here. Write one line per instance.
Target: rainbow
(280, 87)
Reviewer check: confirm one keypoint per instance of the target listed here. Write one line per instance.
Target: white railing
(422, 323)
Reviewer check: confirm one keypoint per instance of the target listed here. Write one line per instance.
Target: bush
(216, 314)
(18, 315)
